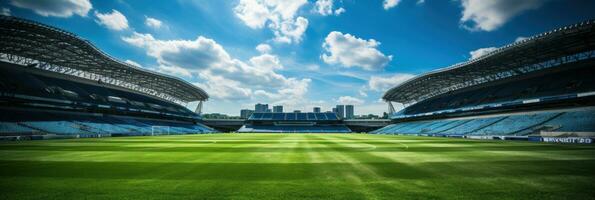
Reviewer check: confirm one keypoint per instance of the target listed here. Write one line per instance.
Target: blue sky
(300, 53)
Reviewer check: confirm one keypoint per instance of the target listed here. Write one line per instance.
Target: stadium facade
(55, 84)
(540, 89)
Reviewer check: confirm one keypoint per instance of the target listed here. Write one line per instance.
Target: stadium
(76, 123)
(55, 84)
(535, 89)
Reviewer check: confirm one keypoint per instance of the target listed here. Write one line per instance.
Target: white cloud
(350, 51)
(174, 71)
(266, 61)
(520, 38)
(388, 4)
(340, 11)
(153, 23)
(480, 52)
(5, 12)
(349, 100)
(490, 15)
(263, 48)
(290, 31)
(279, 14)
(114, 20)
(383, 83)
(222, 76)
(201, 53)
(362, 92)
(312, 67)
(223, 88)
(130, 62)
(55, 8)
(325, 7)
(254, 13)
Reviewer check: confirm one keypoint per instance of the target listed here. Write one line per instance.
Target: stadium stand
(294, 123)
(536, 88)
(56, 85)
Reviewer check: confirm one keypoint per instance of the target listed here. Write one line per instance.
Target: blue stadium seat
(472, 126)
(577, 121)
(515, 124)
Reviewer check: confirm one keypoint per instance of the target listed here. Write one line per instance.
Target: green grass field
(294, 166)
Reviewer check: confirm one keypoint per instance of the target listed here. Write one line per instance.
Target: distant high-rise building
(316, 109)
(245, 113)
(278, 109)
(297, 111)
(334, 110)
(349, 114)
(261, 108)
(340, 111)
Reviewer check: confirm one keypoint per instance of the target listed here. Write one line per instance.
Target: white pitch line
(403, 144)
(370, 148)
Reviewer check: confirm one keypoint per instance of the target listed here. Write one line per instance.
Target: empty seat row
(517, 124)
(33, 122)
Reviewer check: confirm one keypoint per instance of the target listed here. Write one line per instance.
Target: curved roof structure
(30, 43)
(560, 46)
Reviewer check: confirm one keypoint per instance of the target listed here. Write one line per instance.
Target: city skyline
(342, 111)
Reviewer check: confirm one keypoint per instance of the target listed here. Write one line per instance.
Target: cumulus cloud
(153, 23)
(482, 51)
(350, 51)
(383, 83)
(223, 88)
(290, 31)
(130, 62)
(114, 20)
(481, 15)
(349, 100)
(388, 4)
(280, 15)
(55, 8)
(222, 76)
(325, 7)
(266, 61)
(5, 12)
(263, 48)
(253, 13)
(174, 71)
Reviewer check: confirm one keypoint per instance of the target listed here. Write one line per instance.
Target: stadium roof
(560, 46)
(45, 47)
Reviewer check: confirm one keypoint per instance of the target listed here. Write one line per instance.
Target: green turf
(294, 166)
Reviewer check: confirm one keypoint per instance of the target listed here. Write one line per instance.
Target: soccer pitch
(294, 166)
